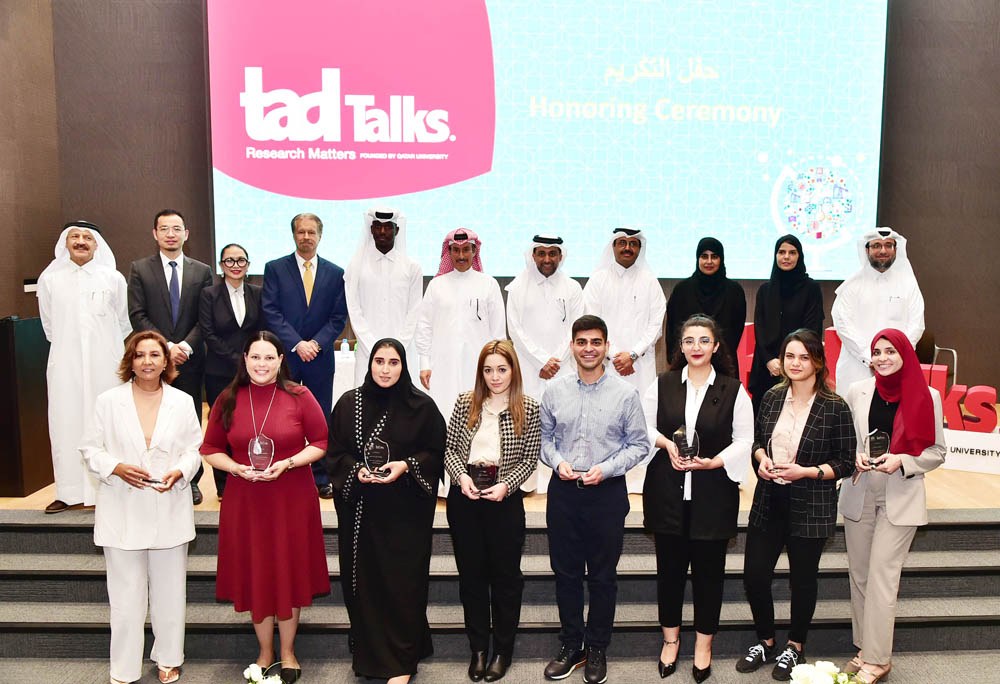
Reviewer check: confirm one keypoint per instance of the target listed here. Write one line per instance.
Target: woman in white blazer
(142, 442)
(884, 502)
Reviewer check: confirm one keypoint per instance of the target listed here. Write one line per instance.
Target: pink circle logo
(350, 100)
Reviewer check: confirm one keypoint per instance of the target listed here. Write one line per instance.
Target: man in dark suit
(164, 292)
(304, 305)
(229, 315)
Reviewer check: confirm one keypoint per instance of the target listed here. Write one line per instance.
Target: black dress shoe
(326, 491)
(477, 665)
(699, 674)
(196, 496)
(497, 668)
(290, 674)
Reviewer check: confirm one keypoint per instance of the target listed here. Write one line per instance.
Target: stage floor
(946, 489)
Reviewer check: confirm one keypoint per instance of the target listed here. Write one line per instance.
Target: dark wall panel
(940, 179)
(130, 80)
(29, 159)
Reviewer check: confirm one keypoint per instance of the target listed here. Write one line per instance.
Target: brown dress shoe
(57, 506)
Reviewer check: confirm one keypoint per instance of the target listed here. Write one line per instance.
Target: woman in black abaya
(790, 300)
(710, 293)
(386, 513)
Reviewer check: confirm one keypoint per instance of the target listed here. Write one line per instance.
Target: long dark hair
(515, 397)
(814, 347)
(720, 359)
(242, 378)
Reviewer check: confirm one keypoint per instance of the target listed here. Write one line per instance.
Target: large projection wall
(742, 120)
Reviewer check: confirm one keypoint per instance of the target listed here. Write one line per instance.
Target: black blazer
(149, 304)
(224, 339)
(715, 499)
(827, 438)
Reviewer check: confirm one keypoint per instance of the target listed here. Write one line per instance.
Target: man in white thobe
(462, 310)
(883, 293)
(624, 292)
(542, 303)
(83, 304)
(383, 288)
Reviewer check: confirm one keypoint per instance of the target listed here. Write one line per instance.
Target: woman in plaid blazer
(803, 443)
(494, 436)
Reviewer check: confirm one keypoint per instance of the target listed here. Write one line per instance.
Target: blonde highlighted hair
(515, 395)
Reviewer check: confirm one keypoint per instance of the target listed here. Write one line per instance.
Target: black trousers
(707, 559)
(488, 537)
(586, 529)
(214, 384)
(190, 383)
(761, 555)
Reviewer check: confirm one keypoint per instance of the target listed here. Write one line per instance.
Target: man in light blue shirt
(593, 432)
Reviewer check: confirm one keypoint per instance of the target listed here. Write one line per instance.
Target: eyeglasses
(691, 343)
(229, 262)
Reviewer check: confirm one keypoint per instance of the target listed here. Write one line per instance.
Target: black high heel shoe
(699, 674)
(668, 669)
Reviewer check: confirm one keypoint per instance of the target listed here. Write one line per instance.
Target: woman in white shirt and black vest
(494, 436)
(803, 443)
(691, 500)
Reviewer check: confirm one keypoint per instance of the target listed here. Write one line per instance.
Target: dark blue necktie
(175, 292)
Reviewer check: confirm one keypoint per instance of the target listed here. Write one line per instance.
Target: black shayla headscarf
(783, 284)
(402, 393)
(710, 286)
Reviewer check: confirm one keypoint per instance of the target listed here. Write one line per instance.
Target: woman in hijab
(385, 459)
(710, 293)
(884, 502)
(789, 301)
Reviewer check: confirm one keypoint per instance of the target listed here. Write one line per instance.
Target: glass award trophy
(483, 475)
(688, 449)
(876, 446)
(376, 456)
(155, 462)
(261, 452)
(779, 450)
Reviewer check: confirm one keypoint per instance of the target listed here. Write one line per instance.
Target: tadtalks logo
(351, 100)
(283, 114)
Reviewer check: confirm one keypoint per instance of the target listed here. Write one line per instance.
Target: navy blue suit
(287, 316)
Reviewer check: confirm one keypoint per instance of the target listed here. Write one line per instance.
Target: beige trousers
(153, 578)
(876, 551)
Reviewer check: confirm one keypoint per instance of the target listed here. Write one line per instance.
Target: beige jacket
(905, 499)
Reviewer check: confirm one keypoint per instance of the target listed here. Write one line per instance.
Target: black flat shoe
(477, 665)
(290, 674)
(497, 668)
(699, 674)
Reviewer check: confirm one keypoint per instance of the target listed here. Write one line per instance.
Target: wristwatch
(819, 472)
(633, 355)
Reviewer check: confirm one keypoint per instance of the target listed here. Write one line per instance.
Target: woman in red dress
(272, 559)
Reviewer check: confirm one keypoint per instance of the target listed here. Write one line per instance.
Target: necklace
(261, 447)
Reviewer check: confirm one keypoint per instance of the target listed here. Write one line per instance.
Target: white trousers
(153, 578)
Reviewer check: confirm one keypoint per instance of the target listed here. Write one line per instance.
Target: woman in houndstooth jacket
(494, 436)
(803, 443)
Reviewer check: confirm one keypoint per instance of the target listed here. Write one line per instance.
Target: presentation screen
(740, 120)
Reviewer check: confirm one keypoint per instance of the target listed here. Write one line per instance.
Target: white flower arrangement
(255, 675)
(821, 672)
